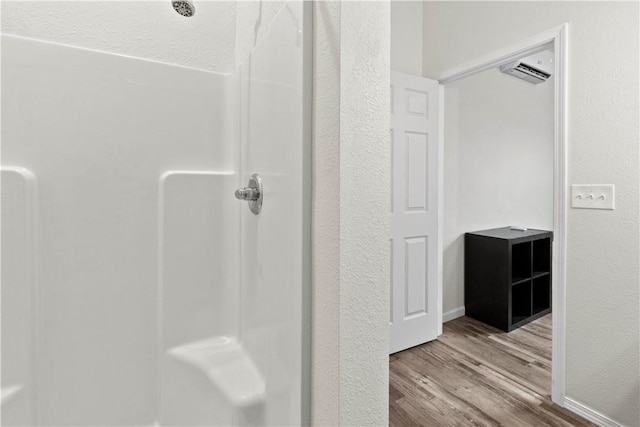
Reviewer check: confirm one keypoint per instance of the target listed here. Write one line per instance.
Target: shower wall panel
(19, 296)
(97, 131)
(198, 296)
(272, 141)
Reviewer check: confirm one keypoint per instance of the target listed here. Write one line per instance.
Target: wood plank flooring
(476, 375)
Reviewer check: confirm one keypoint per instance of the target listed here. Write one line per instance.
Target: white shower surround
(140, 29)
(218, 37)
(124, 153)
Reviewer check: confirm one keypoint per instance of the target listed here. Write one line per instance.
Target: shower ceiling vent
(536, 68)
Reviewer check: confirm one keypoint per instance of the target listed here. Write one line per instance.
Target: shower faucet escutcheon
(252, 193)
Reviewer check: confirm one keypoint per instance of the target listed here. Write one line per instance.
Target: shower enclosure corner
(137, 290)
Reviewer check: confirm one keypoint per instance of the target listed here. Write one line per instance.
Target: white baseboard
(589, 414)
(453, 314)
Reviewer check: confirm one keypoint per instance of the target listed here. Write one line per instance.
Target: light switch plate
(601, 196)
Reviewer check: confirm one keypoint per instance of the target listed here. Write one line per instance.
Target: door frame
(557, 36)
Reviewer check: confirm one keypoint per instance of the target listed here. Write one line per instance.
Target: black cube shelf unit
(507, 276)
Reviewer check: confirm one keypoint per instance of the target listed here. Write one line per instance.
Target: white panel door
(416, 249)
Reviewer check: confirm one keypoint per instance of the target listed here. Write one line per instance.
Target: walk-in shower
(136, 289)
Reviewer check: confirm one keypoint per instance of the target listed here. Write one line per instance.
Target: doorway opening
(558, 38)
(555, 40)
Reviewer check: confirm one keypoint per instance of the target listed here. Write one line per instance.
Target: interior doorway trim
(558, 36)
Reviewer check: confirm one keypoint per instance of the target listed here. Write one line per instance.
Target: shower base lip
(228, 366)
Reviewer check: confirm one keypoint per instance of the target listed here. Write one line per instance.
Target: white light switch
(593, 196)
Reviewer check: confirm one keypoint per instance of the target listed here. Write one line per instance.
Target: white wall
(365, 192)
(351, 213)
(406, 37)
(498, 171)
(602, 299)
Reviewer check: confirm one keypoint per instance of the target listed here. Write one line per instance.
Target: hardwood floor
(476, 375)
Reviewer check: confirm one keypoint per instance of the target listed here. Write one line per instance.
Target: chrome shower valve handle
(247, 193)
(252, 193)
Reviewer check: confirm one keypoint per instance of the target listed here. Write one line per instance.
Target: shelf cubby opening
(520, 302)
(520, 261)
(541, 294)
(541, 256)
